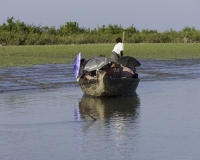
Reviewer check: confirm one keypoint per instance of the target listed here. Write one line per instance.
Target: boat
(103, 85)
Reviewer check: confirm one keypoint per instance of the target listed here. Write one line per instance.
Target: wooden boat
(103, 85)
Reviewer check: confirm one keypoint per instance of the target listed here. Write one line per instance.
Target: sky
(160, 15)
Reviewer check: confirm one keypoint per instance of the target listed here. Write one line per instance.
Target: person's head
(83, 62)
(118, 40)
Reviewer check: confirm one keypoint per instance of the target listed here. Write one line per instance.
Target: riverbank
(11, 56)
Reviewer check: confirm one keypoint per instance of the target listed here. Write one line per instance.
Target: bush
(19, 33)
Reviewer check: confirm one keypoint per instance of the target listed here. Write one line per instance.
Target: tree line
(15, 32)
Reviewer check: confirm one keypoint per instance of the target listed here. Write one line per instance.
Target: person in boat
(126, 72)
(107, 68)
(118, 50)
(85, 75)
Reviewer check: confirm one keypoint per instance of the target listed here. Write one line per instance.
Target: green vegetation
(24, 45)
(59, 54)
(19, 33)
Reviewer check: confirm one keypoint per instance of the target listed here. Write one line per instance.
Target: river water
(44, 115)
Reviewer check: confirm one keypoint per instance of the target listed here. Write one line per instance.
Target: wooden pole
(123, 37)
(89, 115)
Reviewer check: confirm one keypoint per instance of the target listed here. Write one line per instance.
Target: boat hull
(106, 86)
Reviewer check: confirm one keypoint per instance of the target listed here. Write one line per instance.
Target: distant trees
(19, 33)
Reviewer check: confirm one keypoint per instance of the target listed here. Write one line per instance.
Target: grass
(59, 54)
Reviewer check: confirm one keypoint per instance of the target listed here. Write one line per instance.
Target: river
(44, 115)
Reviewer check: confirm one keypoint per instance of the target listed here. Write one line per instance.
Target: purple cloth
(77, 62)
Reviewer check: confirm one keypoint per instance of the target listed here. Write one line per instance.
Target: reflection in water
(109, 108)
(116, 120)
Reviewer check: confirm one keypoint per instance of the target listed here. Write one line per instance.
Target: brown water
(44, 115)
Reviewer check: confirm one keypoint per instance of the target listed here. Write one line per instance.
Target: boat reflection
(105, 108)
(116, 118)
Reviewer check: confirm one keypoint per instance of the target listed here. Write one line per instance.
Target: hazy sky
(158, 15)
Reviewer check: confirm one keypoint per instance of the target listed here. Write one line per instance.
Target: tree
(69, 28)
